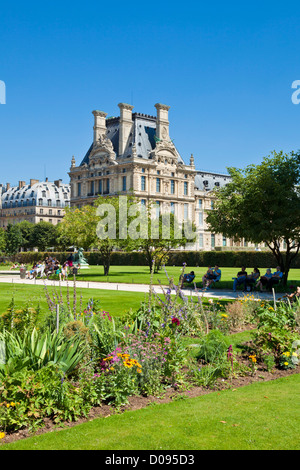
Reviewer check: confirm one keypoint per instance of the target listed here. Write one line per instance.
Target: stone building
(134, 153)
(35, 202)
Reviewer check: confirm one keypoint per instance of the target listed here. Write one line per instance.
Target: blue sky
(224, 68)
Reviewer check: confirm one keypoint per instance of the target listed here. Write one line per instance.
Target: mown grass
(260, 416)
(141, 275)
(116, 303)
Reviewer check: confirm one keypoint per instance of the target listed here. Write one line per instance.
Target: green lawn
(141, 275)
(261, 416)
(116, 303)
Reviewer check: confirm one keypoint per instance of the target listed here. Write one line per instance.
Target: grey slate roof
(207, 181)
(33, 195)
(142, 135)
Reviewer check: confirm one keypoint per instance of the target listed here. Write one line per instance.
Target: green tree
(13, 239)
(26, 228)
(43, 235)
(158, 236)
(97, 226)
(262, 205)
(2, 240)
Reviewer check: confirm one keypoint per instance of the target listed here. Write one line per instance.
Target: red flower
(175, 321)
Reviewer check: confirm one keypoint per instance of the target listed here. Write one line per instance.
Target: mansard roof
(142, 136)
(207, 181)
(30, 194)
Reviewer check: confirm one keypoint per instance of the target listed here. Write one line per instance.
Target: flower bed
(54, 372)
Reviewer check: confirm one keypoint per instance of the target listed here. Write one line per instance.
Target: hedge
(250, 259)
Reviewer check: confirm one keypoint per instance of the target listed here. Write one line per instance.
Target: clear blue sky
(225, 68)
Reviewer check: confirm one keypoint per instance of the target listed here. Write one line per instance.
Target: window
(100, 187)
(172, 208)
(212, 240)
(40, 202)
(143, 170)
(143, 183)
(50, 211)
(224, 241)
(185, 211)
(172, 187)
(143, 204)
(157, 208)
(200, 240)
(92, 187)
(78, 189)
(58, 203)
(124, 183)
(201, 219)
(211, 204)
(158, 185)
(200, 204)
(49, 202)
(41, 211)
(185, 190)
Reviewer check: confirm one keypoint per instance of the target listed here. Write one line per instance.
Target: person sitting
(207, 276)
(292, 297)
(187, 277)
(276, 277)
(264, 279)
(252, 279)
(30, 274)
(240, 279)
(214, 277)
(14, 266)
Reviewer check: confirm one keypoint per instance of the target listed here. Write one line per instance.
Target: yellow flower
(286, 363)
(287, 354)
(253, 358)
(2, 435)
(295, 354)
(108, 358)
(139, 371)
(224, 315)
(7, 405)
(12, 404)
(112, 368)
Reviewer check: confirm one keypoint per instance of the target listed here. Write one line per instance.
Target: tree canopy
(261, 204)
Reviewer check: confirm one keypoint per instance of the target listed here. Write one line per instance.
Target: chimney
(32, 182)
(162, 121)
(99, 124)
(22, 184)
(125, 125)
(7, 186)
(58, 183)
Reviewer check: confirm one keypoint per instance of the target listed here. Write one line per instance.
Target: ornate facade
(134, 153)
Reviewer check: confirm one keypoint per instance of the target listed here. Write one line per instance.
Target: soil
(138, 402)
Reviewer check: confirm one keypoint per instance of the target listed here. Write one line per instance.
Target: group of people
(267, 281)
(212, 275)
(52, 267)
(249, 281)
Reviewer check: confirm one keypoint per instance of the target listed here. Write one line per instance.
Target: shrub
(213, 347)
(27, 397)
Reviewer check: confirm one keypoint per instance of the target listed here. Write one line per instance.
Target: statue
(80, 259)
